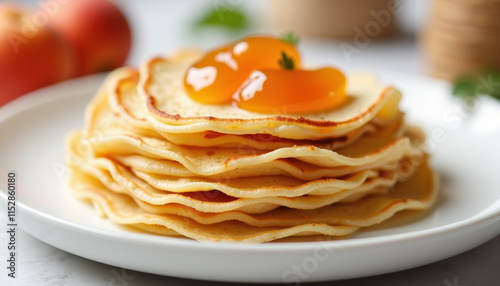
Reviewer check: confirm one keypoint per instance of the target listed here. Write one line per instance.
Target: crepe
(107, 137)
(150, 157)
(170, 110)
(124, 101)
(334, 220)
(252, 194)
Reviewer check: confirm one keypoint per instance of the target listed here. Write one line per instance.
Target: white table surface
(159, 28)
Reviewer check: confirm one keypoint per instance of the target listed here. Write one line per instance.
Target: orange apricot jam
(262, 74)
(291, 91)
(215, 78)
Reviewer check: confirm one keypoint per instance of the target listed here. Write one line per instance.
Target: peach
(98, 32)
(32, 54)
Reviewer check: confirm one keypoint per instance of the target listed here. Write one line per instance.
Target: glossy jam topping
(291, 91)
(215, 78)
(263, 74)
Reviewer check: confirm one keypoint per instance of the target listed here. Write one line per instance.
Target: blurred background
(455, 40)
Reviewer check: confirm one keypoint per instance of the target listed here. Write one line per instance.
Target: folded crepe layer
(334, 214)
(274, 184)
(210, 162)
(283, 186)
(416, 193)
(103, 136)
(126, 104)
(169, 108)
(120, 180)
(280, 167)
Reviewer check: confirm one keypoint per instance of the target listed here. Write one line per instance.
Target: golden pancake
(280, 167)
(126, 103)
(121, 180)
(208, 162)
(104, 136)
(268, 185)
(170, 110)
(150, 157)
(418, 192)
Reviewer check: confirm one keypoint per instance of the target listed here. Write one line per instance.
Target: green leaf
(224, 16)
(291, 38)
(490, 80)
(470, 87)
(286, 62)
(465, 87)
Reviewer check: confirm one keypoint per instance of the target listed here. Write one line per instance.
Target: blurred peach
(98, 32)
(32, 54)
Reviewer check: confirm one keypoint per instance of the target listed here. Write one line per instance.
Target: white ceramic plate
(32, 130)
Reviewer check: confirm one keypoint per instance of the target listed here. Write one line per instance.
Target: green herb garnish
(286, 62)
(222, 15)
(291, 38)
(470, 87)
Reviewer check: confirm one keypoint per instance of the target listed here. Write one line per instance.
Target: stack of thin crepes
(151, 158)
